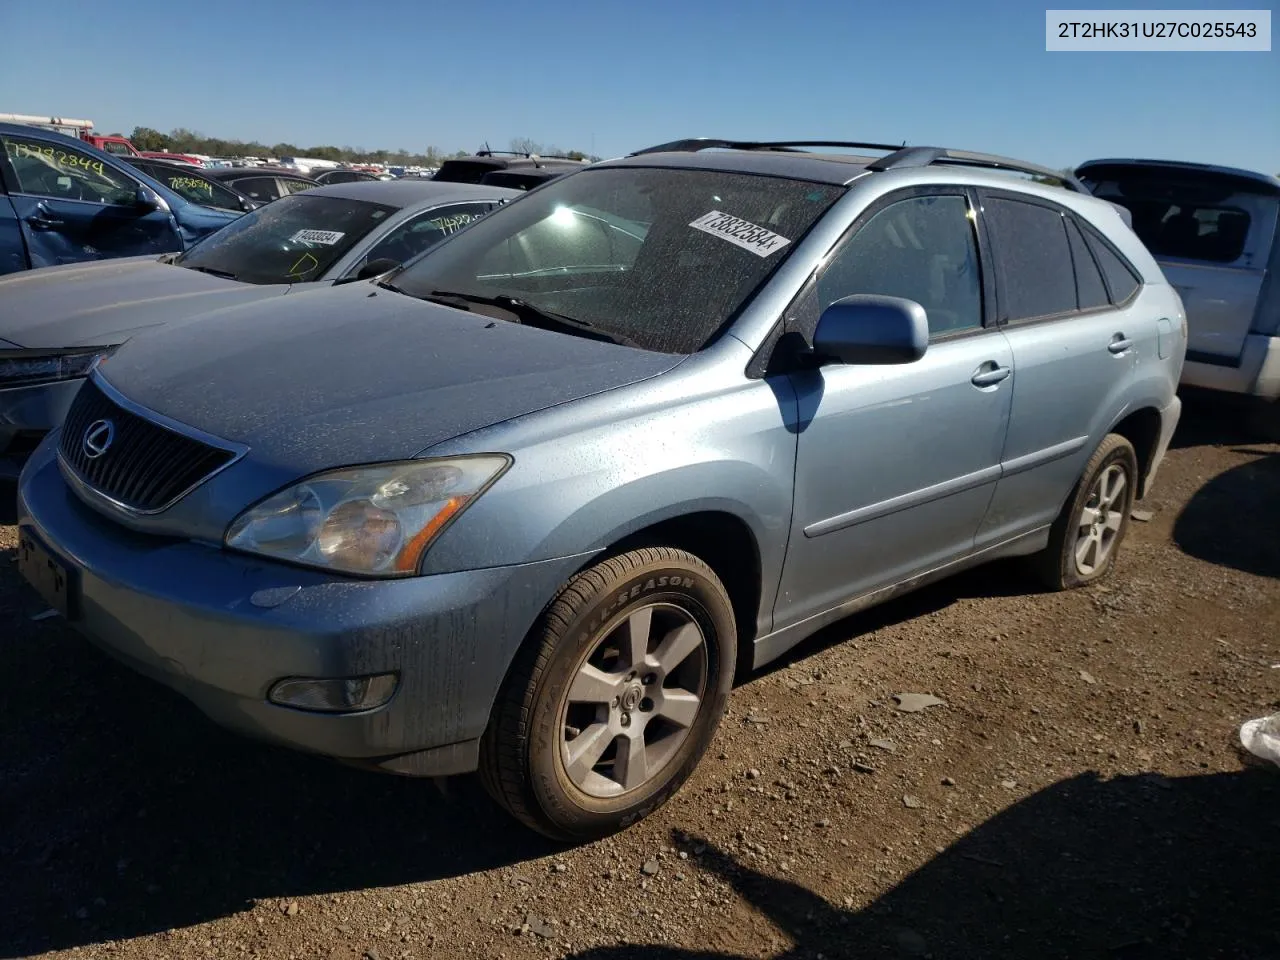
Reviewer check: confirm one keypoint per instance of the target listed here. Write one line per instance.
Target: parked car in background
(523, 505)
(1215, 232)
(262, 184)
(473, 169)
(343, 176)
(63, 201)
(55, 323)
(192, 184)
(527, 178)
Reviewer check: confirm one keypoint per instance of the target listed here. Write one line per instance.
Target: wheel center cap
(631, 697)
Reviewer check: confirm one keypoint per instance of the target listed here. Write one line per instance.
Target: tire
(1057, 565)
(580, 650)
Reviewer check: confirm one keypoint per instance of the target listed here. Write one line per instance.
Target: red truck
(83, 130)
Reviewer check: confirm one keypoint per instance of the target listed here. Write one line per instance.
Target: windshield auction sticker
(741, 233)
(324, 237)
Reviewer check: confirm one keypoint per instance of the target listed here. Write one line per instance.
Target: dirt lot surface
(1077, 793)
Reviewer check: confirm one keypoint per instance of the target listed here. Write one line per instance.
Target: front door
(74, 206)
(896, 464)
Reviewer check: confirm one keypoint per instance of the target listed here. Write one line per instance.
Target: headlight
(375, 520)
(23, 368)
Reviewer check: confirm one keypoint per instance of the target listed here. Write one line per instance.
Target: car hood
(107, 301)
(358, 374)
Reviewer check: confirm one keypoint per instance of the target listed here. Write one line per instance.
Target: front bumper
(27, 413)
(196, 618)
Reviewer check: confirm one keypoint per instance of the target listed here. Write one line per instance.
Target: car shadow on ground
(1212, 418)
(1134, 868)
(1234, 519)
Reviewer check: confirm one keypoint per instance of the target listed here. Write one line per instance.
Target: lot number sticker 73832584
(742, 233)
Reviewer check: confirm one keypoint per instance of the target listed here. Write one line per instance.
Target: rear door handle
(989, 376)
(1119, 343)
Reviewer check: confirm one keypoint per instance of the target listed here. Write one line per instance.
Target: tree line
(182, 140)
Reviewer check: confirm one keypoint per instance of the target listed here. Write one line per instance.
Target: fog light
(341, 695)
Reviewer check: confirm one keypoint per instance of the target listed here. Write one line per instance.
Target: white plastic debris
(1262, 738)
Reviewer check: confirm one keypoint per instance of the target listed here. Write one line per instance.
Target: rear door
(74, 206)
(1211, 238)
(1065, 305)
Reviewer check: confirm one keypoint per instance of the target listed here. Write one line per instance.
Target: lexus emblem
(97, 439)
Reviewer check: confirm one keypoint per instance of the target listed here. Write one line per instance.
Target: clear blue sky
(613, 76)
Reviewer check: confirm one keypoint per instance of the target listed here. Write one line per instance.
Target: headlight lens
(24, 368)
(375, 520)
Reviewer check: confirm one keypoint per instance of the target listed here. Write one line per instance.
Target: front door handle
(1119, 343)
(42, 220)
(987, 376)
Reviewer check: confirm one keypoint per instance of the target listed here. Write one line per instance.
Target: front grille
(145, 466)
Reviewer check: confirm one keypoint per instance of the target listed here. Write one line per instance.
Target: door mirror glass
(872, 329)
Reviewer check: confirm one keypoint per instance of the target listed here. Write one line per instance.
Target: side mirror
(376, 268)
(246, 204)
(872, 329)
(146, 199)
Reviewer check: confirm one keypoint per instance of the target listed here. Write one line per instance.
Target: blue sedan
(64, 201)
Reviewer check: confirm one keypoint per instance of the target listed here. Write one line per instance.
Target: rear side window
(262, 189)
(1034, 257)
(1091, 292)
(1122, 281)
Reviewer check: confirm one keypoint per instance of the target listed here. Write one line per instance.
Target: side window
(1031, 246)
(49, 170)
(413, 236)
(289, 185)
(262, 189)
(1091, 292)
(922, 249)
(1121, 279)
(119, 149)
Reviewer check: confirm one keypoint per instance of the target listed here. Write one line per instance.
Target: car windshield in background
(192, 187)
(654, 257)
(291, 240)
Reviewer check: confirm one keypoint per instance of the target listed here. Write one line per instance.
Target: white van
(1215, 232)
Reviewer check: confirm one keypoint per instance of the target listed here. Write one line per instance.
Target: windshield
(193, 188)
(291, 240)
(660, 258)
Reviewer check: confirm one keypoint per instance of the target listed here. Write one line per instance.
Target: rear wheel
(1085, 538)
(615, 697)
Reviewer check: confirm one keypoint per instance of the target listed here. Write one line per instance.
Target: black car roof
(236, 173)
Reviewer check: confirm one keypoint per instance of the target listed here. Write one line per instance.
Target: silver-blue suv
(525, 505)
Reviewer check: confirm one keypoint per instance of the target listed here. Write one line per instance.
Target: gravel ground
(1075, 793)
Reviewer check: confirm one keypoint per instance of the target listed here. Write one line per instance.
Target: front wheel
(1085, 538)
(615, 697)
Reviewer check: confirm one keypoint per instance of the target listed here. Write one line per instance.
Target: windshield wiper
(212, 272)
(529, 314)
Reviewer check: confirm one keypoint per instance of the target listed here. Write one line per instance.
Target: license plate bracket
(55, 581)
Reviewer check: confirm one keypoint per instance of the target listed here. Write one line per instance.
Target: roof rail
(926, 156)
(899, 155)
(787, 146)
